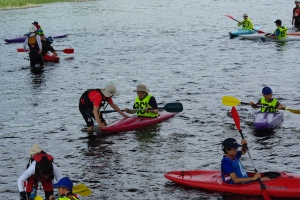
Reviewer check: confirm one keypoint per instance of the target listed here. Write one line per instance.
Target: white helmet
(297, 1)
(32, 29)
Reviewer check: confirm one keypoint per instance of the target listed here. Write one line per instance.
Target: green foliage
(6, 4)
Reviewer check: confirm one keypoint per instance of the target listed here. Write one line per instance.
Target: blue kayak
(243, 32)
(266, 120)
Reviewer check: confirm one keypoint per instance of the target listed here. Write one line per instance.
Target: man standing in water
(35, 46)
(296, 15)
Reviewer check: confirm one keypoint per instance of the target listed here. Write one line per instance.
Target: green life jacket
(271, 105)
(247, 24)
(143, 104)
(283, 31)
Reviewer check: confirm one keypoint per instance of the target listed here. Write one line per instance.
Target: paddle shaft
(66, 50)
(169, 107)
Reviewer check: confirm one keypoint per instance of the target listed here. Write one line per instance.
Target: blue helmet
(267, 90)
(50, 40)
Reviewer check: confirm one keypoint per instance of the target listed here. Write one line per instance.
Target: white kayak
(263, 38)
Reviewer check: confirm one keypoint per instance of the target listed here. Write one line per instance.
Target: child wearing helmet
(33, 41)
(65, 186)
(296, 15)
(267, 103)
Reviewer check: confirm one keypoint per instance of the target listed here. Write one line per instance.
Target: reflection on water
(182, 55)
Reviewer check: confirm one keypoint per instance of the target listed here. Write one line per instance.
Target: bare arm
(236, 179)
(116, 108)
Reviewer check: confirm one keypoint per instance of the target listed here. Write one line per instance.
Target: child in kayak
(246, 23)
(145, 104)
(267, 103)
(280, 31)
(65, 186)
(232, 169)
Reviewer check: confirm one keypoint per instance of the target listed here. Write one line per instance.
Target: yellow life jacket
(271, 105)
(283, 31)
(32, 41)
(143, 104)
(247, 24)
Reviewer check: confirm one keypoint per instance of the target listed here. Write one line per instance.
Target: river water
(181, 50)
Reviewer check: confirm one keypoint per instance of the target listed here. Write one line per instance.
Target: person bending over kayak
(92, 100)
(280, 31)
(145, 104)
(39, 168)
(246, 23)
(267, 103)
(35, 46)
(65, 186)
(46, 45)
(232, 170)
(296, 15)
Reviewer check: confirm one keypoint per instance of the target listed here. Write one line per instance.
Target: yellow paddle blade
(230, 101)
(293, 111)
(38, 198)
(82, 190)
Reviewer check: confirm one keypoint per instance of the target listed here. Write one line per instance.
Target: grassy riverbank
(12, 4)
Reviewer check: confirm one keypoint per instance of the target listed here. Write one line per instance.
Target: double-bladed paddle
(169, 107)
(236, 119)
(240, 22)
(66, 50)
(233, 101)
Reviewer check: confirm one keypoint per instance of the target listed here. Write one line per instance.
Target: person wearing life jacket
(267, 103)
(280, 31)
(246, 23)
(33, 41)
(39, 29)
(145, 104)
(232, 170)
(92, 100)
(46, 45)
(65, 186)
(39, 169)
(296, 15)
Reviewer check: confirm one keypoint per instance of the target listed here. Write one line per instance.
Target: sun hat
(35, 22)
(267, 90)
(110, 90)
(141, 88)
(35, 149)
(278, 21)
(245, 15)
(64, 182)
(230, 143)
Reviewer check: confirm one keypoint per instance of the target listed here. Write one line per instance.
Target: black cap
(230, 143)
(35, 22)
(278, 21)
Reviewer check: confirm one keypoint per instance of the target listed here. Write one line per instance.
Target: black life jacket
(38, 167)
(85, 100)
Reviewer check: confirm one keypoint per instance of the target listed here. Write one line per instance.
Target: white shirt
(31, 171)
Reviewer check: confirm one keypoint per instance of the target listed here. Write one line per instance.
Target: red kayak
(132, 123)
(281, 185)
(50, 57)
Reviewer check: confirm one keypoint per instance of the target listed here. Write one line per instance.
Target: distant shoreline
(35, 5)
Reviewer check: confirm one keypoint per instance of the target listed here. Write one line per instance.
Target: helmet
(50, 40)
(32, 29)
(297, 1)
(266, 90)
